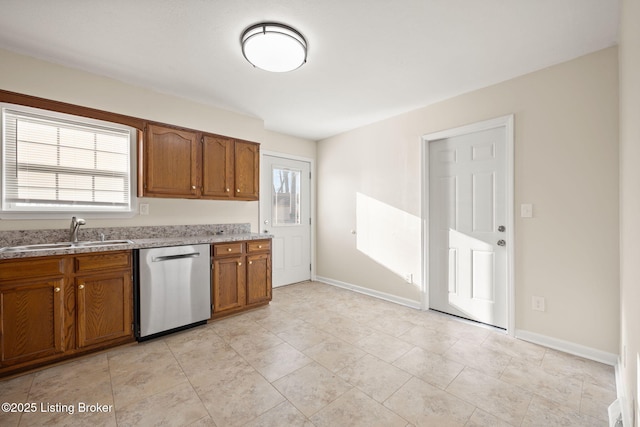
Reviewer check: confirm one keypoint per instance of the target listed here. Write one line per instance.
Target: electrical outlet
(144, 209)
(408, 278)
(526, 210)
(537, 303)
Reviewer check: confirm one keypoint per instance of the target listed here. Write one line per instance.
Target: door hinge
(309, 175)
(309, 221)
(132, 326)
(309, 267)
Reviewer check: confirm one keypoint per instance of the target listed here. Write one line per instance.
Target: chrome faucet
(73, 230)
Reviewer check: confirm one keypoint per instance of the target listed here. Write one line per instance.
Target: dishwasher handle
(171, 257)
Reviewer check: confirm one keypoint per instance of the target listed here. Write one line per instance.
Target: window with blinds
(53, 162)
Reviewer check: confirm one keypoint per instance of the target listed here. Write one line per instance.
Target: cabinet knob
(259, 246)
(56, 289)
(239, 264)
(229, 249)
(81, 287)
(238, 190)
(250, 262)
(228, 189)
(193, 187)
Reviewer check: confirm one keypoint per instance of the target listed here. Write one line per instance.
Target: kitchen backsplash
(32, 237)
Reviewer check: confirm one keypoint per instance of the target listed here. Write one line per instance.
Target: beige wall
(566, 165)
(630, 201)
(30, 76)
(278, 143)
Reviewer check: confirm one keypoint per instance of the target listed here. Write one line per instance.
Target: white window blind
(56, 162)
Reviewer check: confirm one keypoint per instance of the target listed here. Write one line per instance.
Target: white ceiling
(367, 60)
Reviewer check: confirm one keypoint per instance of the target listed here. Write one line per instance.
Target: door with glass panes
(285, 213)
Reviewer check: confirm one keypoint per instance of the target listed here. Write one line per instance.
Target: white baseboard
(544, 340)
(568, 347)
(370, 292)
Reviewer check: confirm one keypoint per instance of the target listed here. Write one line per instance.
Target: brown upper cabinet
(247, 170)
(170, 162)
(179, 163)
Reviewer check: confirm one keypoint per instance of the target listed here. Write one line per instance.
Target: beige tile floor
(322, 356)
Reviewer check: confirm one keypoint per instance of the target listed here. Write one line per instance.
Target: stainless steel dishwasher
(174, 289)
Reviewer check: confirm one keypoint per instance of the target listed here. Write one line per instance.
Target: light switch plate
(526, 210)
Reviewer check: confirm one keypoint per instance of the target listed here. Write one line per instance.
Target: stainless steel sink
(103, 243)
(41, 247)
(64, 245)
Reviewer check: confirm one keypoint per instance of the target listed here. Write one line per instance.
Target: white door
(285, 212)
(467, 226)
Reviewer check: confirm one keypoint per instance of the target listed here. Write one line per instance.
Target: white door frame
(312, 199)
(507, 123)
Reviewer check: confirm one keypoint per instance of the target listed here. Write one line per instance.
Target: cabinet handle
(56, 289)
(81, 286)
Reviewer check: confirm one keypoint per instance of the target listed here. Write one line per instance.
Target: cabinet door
(258, 278)
(171, 167)
(247, 170)
(228, 284)
(104, 307)
(217, 167)
(32, 319)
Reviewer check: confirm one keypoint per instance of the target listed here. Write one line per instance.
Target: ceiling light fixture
(274, 47)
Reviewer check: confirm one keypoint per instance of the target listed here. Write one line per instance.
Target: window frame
(88, 118)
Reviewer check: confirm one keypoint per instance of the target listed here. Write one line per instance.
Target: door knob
(502, 243)
(501, 228)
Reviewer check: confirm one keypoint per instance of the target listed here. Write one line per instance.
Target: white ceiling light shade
(274, 47)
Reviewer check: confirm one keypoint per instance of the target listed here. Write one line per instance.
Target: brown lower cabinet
(56, 307)
(241, 276)
(104, 298)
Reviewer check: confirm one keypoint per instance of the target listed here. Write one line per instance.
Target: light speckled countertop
(142, 237)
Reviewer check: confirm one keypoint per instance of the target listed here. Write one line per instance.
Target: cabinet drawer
(227, 249)
(25, 268)
(258, 246)
(103, 261)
